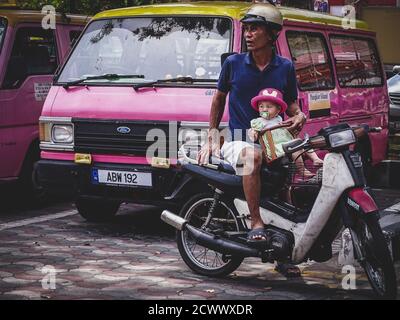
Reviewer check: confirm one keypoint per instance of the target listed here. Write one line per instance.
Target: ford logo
(123, 130)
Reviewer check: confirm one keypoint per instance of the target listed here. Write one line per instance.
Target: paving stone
(24, 294)
(118, 261)
(14, 280)
(4, 274)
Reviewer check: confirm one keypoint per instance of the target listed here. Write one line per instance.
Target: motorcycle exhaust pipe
(208, 240)
(173, 220)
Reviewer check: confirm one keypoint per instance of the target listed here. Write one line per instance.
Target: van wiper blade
(178, 79)
(107, 76)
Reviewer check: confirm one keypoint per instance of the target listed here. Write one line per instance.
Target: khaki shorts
(231, 151)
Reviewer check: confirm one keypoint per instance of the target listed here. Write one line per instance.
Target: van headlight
(62, 133)
(342, 138)
(56, 133)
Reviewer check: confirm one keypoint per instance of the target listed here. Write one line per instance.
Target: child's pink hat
(269, 94)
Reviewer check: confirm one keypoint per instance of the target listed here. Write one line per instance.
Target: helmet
(266, 14)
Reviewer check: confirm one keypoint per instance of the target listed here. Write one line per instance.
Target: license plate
(121, 178)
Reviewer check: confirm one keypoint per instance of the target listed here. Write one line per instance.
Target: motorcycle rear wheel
(377, 261)
(201, 259)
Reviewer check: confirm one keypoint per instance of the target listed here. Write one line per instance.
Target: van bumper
(67, 178)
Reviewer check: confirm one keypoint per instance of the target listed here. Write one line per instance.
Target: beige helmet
(266, 14)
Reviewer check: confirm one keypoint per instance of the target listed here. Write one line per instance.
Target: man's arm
(296, 117)
(217, 109)
(216, 113)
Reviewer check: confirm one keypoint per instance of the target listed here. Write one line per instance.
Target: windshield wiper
(107, 76)
(178, 79)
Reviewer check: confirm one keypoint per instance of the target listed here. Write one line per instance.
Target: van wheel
(32, 191)
(96, 210)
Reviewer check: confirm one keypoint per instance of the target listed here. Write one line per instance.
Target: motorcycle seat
(224, 176)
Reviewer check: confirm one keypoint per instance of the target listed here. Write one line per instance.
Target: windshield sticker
(41, 91)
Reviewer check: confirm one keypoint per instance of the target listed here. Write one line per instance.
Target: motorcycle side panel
(271, 218)
(336, 179)
(361, 200)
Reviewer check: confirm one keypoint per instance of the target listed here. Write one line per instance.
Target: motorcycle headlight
(342, 138)
(62, 133)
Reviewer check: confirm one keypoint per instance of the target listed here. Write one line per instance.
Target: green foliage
(84, 6)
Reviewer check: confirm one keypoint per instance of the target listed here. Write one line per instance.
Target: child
(269, 104)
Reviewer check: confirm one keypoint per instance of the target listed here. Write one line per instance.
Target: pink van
(29, 56)
(140, 76)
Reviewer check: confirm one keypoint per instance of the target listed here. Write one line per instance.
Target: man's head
(261, 25)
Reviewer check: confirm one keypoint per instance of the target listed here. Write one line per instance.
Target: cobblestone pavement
(136, 257)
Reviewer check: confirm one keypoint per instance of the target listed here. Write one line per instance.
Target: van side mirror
(225, 55)
(396, 69)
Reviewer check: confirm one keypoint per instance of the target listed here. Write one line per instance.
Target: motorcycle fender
(361, 201)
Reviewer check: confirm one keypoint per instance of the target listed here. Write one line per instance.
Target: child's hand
(253, 135)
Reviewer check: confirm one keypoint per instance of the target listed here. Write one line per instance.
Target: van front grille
(395, 98)
(123, 137)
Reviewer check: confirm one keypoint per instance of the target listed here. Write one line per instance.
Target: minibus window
(73, 36)
(33, 53)
(158, 48)
(311, 59)
(357, 61)
(3, 24)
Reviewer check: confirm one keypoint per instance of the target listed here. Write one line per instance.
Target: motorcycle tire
(377, 259)
(201, 203)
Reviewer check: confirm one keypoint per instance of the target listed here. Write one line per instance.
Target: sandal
(256, 236)
(288, 270)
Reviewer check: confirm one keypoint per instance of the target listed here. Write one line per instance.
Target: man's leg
(251, 158)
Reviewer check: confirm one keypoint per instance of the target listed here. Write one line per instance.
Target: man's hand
(212, 147)
(296, 123)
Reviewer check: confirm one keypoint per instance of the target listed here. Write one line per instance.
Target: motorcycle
(302, 215)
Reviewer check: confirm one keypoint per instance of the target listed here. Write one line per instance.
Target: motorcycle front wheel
(201, 259)
(375, 257)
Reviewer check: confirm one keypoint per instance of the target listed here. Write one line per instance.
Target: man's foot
(288, 270)
(257, 235)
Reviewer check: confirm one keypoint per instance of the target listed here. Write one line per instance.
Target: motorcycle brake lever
(300, 146)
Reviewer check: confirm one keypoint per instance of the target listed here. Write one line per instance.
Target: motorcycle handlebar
(319, 142)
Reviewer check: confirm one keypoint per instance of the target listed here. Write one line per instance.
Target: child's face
(268, 109)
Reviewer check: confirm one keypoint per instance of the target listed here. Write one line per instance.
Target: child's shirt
(279, 136)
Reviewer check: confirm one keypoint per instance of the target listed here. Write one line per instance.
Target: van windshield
(3, 24)
(157, 48)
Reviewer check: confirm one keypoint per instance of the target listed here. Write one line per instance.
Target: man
(243, 76)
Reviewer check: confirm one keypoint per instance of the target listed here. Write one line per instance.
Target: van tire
(97, 210)
(32, 192)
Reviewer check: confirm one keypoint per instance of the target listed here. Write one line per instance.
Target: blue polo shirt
(243, 80)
